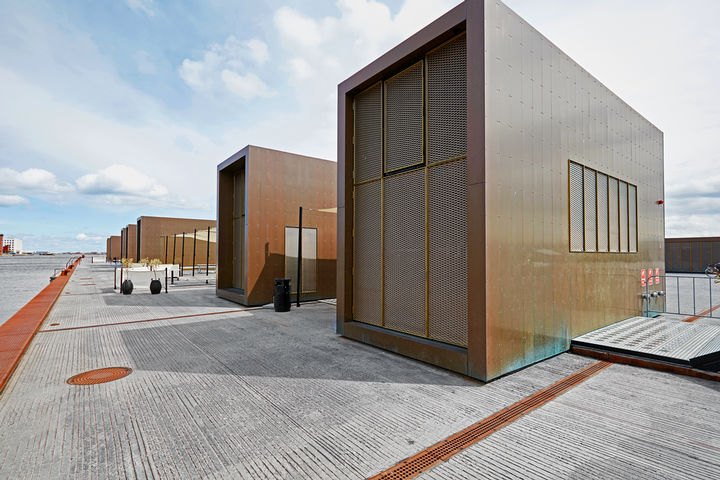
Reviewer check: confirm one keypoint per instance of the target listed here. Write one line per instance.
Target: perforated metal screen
(448, 252)
(404, 249)
(368, 134)
(447, 101)
(622, 190)
(404, 118)
(590, 210)
(577, 242)
(614, 211)
(602, 212)
(367, 249)
(632, 218)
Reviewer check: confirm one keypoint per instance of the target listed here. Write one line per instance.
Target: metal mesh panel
(576, 208)
(368, 134)
(447, 101)
(602, 209)
(613, 211)
(686, 257)
(448, 252)
(623, 216)
(404, 118)
(404, 251)
(590, 211)
(632, 218)
(367, 248)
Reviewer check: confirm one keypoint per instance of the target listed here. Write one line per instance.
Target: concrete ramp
(685, 343)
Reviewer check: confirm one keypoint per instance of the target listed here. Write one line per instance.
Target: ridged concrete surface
(258, 394)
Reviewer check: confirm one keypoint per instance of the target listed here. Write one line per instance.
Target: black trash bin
(281, 295)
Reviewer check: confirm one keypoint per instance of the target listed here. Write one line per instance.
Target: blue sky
(115, 109)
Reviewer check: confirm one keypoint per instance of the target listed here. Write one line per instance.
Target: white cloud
(245, 86)
(144, 6)
(121, 180)
(12, 200)
(226, 68)
(88, 238)
(32, 179)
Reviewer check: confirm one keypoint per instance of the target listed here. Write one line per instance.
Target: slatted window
(603, 212)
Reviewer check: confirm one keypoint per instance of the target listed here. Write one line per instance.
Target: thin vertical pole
(299, 260)
(710, 288)
(207, 255)
(174, 238)
(121, 279)
(166, 279)
(694, 310)
(182, 257)
(115, 277)
(677, 292)
(166, 245)
(194, 241)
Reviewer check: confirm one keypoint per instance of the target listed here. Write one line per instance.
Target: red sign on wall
(650, 276)
(643, 283)
(657, 276)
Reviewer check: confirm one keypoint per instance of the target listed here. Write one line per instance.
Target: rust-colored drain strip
(702, 314)
(442, 451)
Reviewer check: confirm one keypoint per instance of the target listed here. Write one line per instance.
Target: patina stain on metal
(501, 289)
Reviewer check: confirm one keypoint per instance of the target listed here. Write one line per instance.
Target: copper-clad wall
(692, 254)
(544, 110)
(128, 242)
(113, 248)
(276, 183)
(155, 231)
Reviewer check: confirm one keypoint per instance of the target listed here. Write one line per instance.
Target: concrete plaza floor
(258, 394)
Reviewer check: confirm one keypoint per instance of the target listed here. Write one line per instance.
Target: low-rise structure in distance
(112, 249)
(11, 245)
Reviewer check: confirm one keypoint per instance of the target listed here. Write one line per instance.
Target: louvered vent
(590, 210)
(623, 191)
(404, 119)
(613, 212)
(368, 134)
(577, 243)
(448, 252)
(632, 218)
(404, 264)
(367, 248)
(602, 209)
(447, 101)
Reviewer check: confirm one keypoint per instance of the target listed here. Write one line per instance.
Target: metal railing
(685, 295)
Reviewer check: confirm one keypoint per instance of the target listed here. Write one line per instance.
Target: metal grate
(367, 248)
(590, 210)
(404, 118)
(577, 243)
(368, 134)
(101, 375)
(442, 451)
(622, 188)
(602, 212)
(613, 212)
(448, 252)
(404, 252)
(632, 218)
(447, 101)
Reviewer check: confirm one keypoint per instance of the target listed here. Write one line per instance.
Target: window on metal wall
(602, 212)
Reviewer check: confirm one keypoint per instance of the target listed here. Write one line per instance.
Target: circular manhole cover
(101, 375)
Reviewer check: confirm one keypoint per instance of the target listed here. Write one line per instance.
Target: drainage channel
(442, 451)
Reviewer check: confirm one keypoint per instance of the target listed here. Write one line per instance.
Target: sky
(115, 109)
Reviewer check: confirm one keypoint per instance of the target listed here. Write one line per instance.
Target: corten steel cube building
(156, 239)
(495, 200)
(112, 248)
(128, 242)
(259, 195)
(691, 254)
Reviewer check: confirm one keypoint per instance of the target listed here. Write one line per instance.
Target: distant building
(259, 192)
(691, 254)
(128, 242)
(112, 250)
(14, 245)
(1, 243)
(162, 237)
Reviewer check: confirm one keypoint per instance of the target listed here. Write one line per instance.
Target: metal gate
(691, 296)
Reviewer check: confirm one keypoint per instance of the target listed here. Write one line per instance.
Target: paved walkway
(257, 394)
